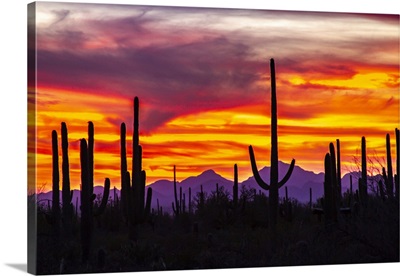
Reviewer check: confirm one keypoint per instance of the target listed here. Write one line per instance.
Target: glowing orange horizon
(208, 140)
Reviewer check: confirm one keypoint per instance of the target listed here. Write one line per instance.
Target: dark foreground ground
(218, 237)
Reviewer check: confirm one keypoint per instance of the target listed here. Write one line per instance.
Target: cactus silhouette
(86, 203)
(133, 190)
(362, 182)
(87, 196)
(388, 175)
(274, 185)
(235, 187)
(66, 190)
(56, 184)
(334, 181)
(329, 188)
(124, 168)
(177, 206)
(339, 172)
(91, 155)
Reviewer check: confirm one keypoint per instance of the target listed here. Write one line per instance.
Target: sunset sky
(202, 78)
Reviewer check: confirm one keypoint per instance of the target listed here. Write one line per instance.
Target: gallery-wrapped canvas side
(32, 195)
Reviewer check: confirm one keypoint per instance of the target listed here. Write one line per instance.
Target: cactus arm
(288, 174)
(256, 174)
(104, 200)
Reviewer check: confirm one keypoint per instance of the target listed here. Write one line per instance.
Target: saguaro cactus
(274, 185)
(124, 168)
(362, 183)
(334, 181)
(235, 187)
(87, 196)
(177, 206)
(86, 203)
(56, 183)
(91, 155)
(389, 176)
(329, 188)
(133, 191)
(66, 190)
(339, 172)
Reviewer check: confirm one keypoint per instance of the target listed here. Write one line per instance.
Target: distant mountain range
(298, 186)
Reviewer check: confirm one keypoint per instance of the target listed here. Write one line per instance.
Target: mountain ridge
(298, 185)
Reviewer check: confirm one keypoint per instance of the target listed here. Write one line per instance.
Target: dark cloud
(204, 75)
(179, 69)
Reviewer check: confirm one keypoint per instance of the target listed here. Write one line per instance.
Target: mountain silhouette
(163, 190)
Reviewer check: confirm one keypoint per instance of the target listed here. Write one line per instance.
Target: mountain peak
(209, 173)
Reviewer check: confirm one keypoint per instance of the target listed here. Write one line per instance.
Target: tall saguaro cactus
(87, 196)
(86, 203)
(339, 171)
(124, 169)
(133, 186)
(362, 183)
(274, 185)
(235, 187)
(66, 190)
(56, 183)
(90, 150)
